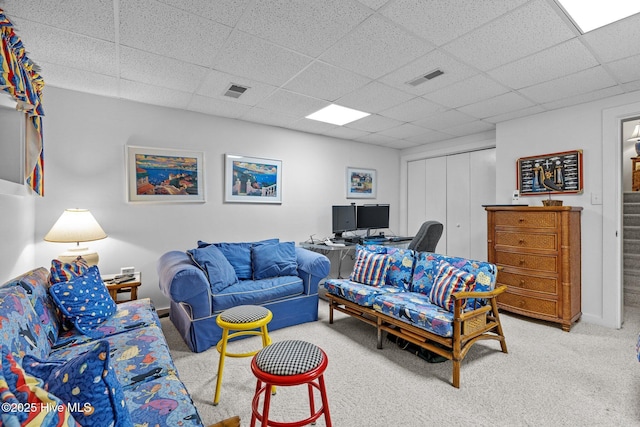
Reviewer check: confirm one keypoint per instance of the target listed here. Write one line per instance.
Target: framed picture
(164, 175)
(252, 180)
(361, 183)
(555, 173)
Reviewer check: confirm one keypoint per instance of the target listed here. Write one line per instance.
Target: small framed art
(361, 183)
(164, 175)
(252, 179)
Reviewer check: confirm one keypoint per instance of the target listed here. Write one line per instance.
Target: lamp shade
(635, 136)
(75, 225)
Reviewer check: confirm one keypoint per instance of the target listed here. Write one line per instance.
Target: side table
(130, 287)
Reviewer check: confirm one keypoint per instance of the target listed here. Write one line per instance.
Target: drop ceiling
(501, 59)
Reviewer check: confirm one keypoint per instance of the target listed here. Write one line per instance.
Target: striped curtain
(20, 78)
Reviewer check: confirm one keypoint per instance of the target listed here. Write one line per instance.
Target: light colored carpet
(587, 377)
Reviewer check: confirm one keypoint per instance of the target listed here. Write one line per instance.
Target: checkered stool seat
(236, 322)
(289, 363)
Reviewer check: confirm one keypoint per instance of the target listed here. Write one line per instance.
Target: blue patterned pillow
(63, 272)
(87, 385)
(448, 281)
(370, 268)
(85, 301)
(19, 389)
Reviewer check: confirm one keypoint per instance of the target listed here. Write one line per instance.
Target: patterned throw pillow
(370, 268)
(85, 301)
(63, 272)
(448, 281)
(19, 390)
(87, 385)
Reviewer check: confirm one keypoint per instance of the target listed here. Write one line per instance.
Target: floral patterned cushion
(87, 384)
(357, 292)
(416, 309)
(20, 330)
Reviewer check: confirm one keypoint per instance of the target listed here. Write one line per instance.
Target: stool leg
(254, 404)
(325, 401)
(267, 403)
(312, 404)
(223, 352)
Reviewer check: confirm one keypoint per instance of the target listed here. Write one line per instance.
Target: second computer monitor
(372, 217)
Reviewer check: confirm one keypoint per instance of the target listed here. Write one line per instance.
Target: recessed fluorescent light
(337, 115)
(589, 15)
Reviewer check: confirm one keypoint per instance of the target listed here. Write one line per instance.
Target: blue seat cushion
(257, 292)
(358, 293)
(215, 265)
(416, 309)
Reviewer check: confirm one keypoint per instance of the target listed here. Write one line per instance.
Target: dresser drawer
(520, 303)
(527, 240)
(526, 219)
(532, 262)
(532, 283)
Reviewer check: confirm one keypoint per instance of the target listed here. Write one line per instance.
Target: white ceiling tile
(307, 26)
(576, 84)
(405, 130)
(216, 107)
(251, 57)
(500, 104)
(453, 69)
(78, 80)
(467, 92)
(311, 126)
(626, 70)
(272, 118)
(376, 139)
(89, 17)
(444, 120)
(373, 98)
(447, 19)
(400, 144)
(583, 97)
(616, 41)
(292, 103)
(373, 4)
(470, 128)
(164, 30)
(159, 71)
(525, 31)
(140, 92)
(346, 133)
(430, 136)
(226, 12)
(631, 86)
(375, 48)
(515, 114)
(414, 109)
(325, 81)
(557, 61)
(373, 123)
(47, 44)
(216, 83)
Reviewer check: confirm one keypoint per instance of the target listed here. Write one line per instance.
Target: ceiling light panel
(591, 14)
(337, 115)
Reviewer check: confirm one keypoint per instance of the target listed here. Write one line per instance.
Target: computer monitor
(372, 216)
(343, 219)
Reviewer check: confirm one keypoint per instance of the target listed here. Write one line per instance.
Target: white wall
(16, 230)
(85, 138)
(577, 127)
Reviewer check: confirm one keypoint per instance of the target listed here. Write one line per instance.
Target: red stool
(289, 363)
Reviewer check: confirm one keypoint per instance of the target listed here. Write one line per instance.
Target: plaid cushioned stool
(245, 319)
(289, 363)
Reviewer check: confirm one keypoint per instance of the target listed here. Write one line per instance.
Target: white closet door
(436, 208)
(482, 192)
(458, 212)
(416, 196)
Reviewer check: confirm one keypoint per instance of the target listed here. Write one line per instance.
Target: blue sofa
(443, 304)
(203, 282)
(119, 372)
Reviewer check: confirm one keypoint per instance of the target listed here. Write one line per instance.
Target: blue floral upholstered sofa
(203, 282)
(440, 303)
(111, 367)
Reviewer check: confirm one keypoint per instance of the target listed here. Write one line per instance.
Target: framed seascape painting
(164, 175)
(361, 183)
(252, 180)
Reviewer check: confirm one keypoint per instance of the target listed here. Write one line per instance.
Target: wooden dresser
(538, 249)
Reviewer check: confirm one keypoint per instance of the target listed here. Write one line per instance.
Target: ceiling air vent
(234, 91)
(432, 75)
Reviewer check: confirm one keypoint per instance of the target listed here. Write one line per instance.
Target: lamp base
(91, 257)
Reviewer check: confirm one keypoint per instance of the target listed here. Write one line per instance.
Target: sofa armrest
(183, 282)
(312, 267)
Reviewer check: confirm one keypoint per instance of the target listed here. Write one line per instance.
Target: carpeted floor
(587, 377)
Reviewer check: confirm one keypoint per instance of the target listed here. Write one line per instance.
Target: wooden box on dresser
(538, 252)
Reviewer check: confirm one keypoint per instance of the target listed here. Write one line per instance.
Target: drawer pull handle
(521, 262)
(520, 219)
(521, 282)
(521, 241)
(521, 303)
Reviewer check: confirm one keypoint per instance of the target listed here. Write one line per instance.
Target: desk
(343, 251)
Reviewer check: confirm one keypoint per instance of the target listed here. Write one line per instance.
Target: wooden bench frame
(469, 327)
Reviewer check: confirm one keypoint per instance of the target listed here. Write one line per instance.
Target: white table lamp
(76, 225)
